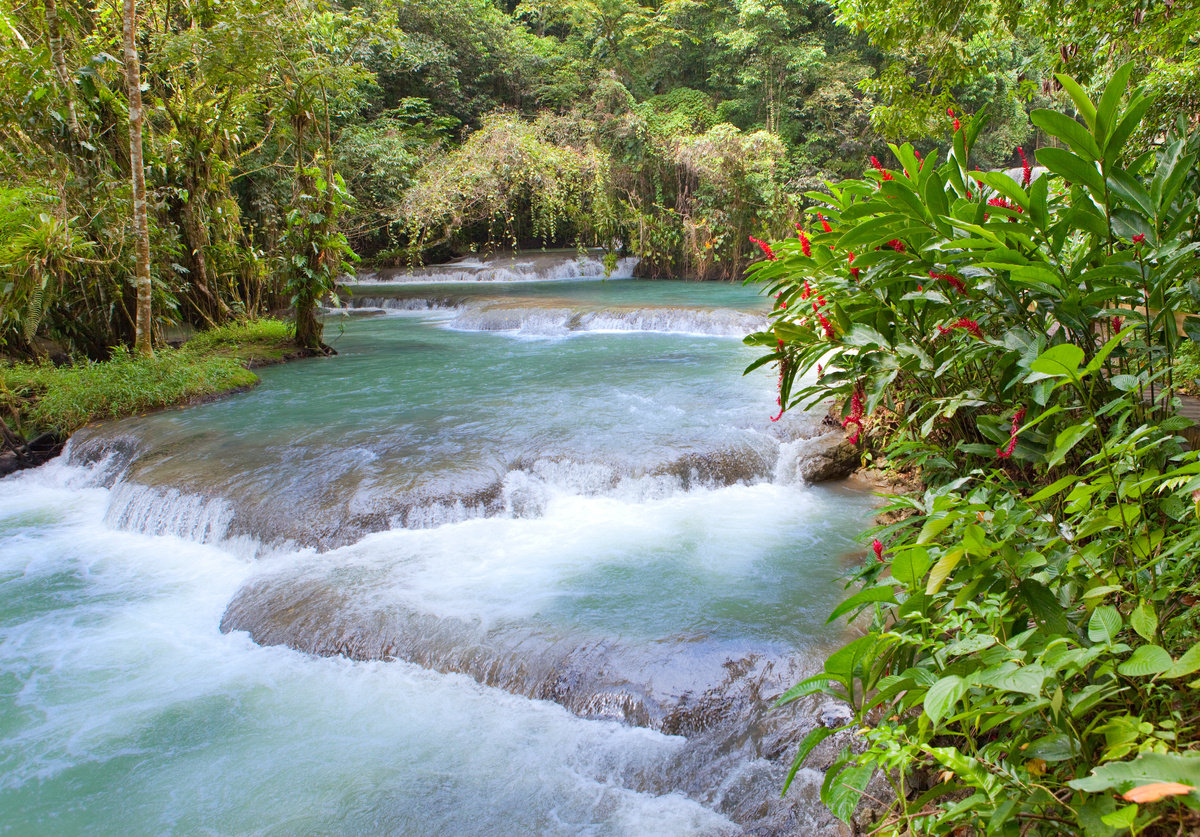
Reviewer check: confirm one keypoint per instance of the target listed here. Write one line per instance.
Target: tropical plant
(1030, 642)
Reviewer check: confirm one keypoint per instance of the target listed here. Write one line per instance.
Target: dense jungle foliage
(1032, 664)
(282, 137)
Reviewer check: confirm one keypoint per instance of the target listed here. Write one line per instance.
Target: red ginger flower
(829, 332)
(854, 271)
(1006, 452)
(856, 414)
(782, 370)
(824, 224)
(807, 292)
(1027, 169)
(953, 280)
(1117, 323)
(897, 245)
(964, 323)
(879, 168)
(878, 547)
(805, 246)
(766, 248)
(1139, 238)
(950, 112)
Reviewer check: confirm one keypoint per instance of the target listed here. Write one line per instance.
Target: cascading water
(547, 581)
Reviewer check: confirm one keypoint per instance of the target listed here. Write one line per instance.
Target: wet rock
(834, 459)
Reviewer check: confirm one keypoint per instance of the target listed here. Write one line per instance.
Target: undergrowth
(40, 398)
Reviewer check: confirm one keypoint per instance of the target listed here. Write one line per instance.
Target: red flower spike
(950, 113)
(829, 332)
(897, 245)
(1006, 452)
(1117, 323)
(953, 281)
(766, 248)
(856, 415)
(1026, 168)
(824, 224)
(879, 168)
(968, 325)
(805, 246)
(854, 271)
(782, 370)
(807, 292)
(878, 547)
(1139, 238)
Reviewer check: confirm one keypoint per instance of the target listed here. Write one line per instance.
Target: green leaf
(1082, 103)
(910, 565)
(842, 794)
(942, 569)
(814, 737)
(1108, 111)
(1122, 817)
(1144, 620)
(1059, 361)
(1145, 769)
(1146, 661)
(883, 593)
(942, 696)
(1054, 488)
(1124, 383)
(1067, 129)
(1067, 440)
(1105, 624)
(1185, 665)
(1072, 168)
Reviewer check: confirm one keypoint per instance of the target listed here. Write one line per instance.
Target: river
(526, 557)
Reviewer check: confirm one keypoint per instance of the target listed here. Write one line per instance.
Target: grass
(39, 398)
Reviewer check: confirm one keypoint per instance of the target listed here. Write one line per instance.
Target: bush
(1032, 652)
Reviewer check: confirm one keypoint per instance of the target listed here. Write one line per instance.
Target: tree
(133, 83)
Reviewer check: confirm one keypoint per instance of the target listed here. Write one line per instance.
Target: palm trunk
(141, 223)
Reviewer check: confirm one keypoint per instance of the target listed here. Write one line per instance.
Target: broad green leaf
(1108, 111)
(910, 565)
(1054, 488)
(1144, 620)
(1067, 129)
(942, 569)
(1072, 168)
(942, 696)
(1059, 361)
(842, 794)
(1185, 665)
(1010, 677)
(1122, 817)
(1105, 624)
(1067, 440)
(1146, 661)
(1146, 768)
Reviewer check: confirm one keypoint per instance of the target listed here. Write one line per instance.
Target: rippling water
(472, 576)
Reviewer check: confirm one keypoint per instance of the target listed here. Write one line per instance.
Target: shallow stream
(524, 558)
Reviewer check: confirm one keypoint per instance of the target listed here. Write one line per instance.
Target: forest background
(280, 138)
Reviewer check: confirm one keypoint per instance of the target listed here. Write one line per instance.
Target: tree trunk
(54, 30)
(141, 223)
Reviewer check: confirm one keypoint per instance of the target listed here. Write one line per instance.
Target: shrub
(1032, 650)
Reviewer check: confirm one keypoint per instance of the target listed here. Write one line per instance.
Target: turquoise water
(609, 508)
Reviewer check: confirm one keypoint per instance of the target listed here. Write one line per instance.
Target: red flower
(1006, 452)
(856, 414)
(1117, 323)
(805, 246)
(782, 370)
(879, 168)
(824, 224)
(829, 332)
(807, 292)
(950, 112)
(854, 271)
(1028, 171)
(963, 323)
(953, 280)
(766, 248)
(1139, 238)
(878, 547)
(897, 245)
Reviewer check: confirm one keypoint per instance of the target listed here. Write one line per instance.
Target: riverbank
(43, 404)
